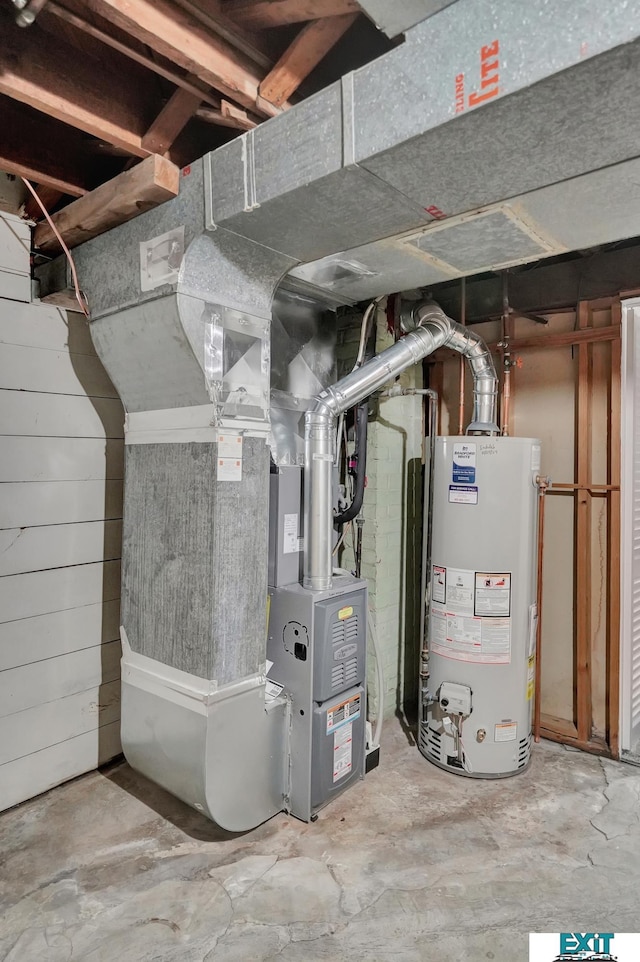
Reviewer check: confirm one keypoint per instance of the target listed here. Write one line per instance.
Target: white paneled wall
(61, 454)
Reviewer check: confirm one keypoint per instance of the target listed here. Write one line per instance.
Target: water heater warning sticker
(506, 731)
(439, 584)
(493, 594)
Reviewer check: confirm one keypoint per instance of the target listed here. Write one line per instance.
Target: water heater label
(493, 594)
(464, 463)
(459, 591)
(506, 731)
(463, 494)
(342, 751)
(439, 584)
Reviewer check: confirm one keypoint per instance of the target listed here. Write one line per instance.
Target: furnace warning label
(343, 713)
(439, 585)
(493, 594)
(290, 542)
(459, 591)
(342, 751)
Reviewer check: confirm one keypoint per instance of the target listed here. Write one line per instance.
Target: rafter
(56, 80)
(145, 186)
(312, 43)
(179, 37)
(40, 149)
(275, 13)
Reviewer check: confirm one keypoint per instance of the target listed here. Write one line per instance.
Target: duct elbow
(448, 333)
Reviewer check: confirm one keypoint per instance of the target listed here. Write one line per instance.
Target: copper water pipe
(543, 483)
(463, 366)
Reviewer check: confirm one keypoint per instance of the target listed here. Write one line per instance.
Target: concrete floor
(412, 864)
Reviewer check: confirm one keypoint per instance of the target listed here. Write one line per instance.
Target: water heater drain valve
(454, 699)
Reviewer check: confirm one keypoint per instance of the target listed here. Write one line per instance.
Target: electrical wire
(81, 299)
(364, 330)
(342, 537)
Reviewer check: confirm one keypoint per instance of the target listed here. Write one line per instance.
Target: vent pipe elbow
(432, 330)
(471, 346)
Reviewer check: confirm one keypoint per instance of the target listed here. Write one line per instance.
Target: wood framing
(274, 13)
(40, 149)
(614, 477)
(307, 50)
(127, 195)
(174, 34)
(174, 117)
(54, 79)
(583, 532)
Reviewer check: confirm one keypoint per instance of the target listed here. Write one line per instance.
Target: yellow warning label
(345, 612)
(531, 674)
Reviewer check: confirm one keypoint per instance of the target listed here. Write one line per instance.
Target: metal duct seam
(434, 330)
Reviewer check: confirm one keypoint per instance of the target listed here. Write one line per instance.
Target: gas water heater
(477, 686)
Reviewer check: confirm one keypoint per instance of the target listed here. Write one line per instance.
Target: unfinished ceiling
(91, 87)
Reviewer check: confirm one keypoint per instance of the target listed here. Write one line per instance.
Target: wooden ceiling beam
(178, 36)
(313, 42)
(174, 117)
(173, 76)
(56, 80)
(146, 185)
(49, 197)
(214, 19)
(274, 13)
(40, 149)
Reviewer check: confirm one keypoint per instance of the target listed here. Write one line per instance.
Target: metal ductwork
(433, 330)
(459, 151)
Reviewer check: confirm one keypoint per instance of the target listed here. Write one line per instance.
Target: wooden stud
(174, 117)
(307, 50)
(273, 13)
(583, 533)
(613, 544)
(176, 35)
(127, 195)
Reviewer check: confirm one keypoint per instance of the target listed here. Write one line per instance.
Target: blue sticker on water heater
(464, 463)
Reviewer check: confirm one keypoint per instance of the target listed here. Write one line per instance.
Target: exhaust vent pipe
(432, 329)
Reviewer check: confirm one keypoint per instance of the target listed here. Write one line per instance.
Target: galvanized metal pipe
(433, 330)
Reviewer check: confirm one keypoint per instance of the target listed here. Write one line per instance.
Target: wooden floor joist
(273, 13)
(148, 184)
(56, 80)
(314, 41)
(179, 37)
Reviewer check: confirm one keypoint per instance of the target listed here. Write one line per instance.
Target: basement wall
(61, 455)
